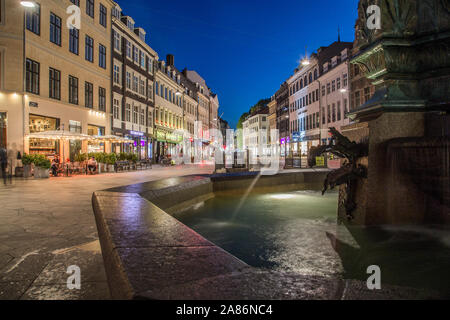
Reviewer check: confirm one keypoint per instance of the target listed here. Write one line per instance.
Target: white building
(335, 93)
(256, 134)
(304, 107)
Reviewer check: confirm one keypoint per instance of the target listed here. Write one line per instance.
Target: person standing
(3, 162)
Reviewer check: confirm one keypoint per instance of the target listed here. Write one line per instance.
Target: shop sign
(160, 136)
(33, 104)
(296, 137)
(173, 138)
(137, 134)
(320, 161)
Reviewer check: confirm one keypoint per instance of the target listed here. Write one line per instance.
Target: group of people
(91, 165)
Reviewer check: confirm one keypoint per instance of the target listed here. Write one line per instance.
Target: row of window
(301, 83)
(189, 108)
(33, 25)
(133, 53)
(90, 11)
(167, 118)
(335, 85)
(167, 94)
(359, 97)
(309, 122)
(334, 112)
(33, 86)
(305, 101)
(133, 113)
(312, 121)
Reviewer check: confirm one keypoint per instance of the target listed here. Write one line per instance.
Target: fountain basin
(149, 254)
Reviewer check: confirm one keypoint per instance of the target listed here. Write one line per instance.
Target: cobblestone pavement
(48, 225)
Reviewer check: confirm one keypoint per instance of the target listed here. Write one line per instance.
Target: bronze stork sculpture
(349, 173)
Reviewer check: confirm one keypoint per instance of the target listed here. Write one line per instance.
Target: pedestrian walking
(3, 162)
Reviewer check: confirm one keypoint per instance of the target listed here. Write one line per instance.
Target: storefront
(49, 148)
(96, 146)
(140, 145)
(3, 130)
(167, 144)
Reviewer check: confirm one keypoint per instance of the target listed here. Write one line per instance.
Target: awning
(59, 135)
(113, 139)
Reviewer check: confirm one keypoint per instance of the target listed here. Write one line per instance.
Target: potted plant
(111, 160)
(27, 161)
(42, 167)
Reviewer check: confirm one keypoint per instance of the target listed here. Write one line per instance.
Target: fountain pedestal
(408, 62)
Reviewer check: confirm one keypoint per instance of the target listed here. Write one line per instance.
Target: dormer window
(334, 62)
(140, 33)
(129, 22)
(344, 54)
(116, 12)
(325, 67)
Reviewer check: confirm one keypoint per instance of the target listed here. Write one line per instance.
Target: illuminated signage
(137, 134)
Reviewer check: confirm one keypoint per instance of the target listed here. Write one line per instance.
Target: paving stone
(88, 291)
(90, 264)
(252, 285)
(357, 290)
(47, 215)
(13, 290)
(161, 267)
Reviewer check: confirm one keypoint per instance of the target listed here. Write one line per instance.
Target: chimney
(170, 60)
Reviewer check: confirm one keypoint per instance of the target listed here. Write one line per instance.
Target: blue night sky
(244, 49)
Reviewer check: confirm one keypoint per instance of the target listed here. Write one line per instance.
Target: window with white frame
(117, 74)
(136, 55)
(135, 114)
(142, 117)
(128, 80)
(135, 83)
(142, 60)
(116, 109)
(128, 112)
(117, 39)
(141, 87)
(129, 50)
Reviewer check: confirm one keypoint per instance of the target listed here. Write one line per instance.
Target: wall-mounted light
(27, 4)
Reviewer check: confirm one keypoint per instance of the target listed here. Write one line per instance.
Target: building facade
(334, 94)
(169, 115)
(59, 74)
(272, 105)
(256, 133)
(304, 108)
(282, 98)
(132, 85)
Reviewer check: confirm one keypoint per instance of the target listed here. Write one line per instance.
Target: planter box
(18, 172)
(27, 171)
(41, 173)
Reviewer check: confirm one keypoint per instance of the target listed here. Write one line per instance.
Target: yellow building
(67, 72)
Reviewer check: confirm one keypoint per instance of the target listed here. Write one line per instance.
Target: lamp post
(26, 6)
